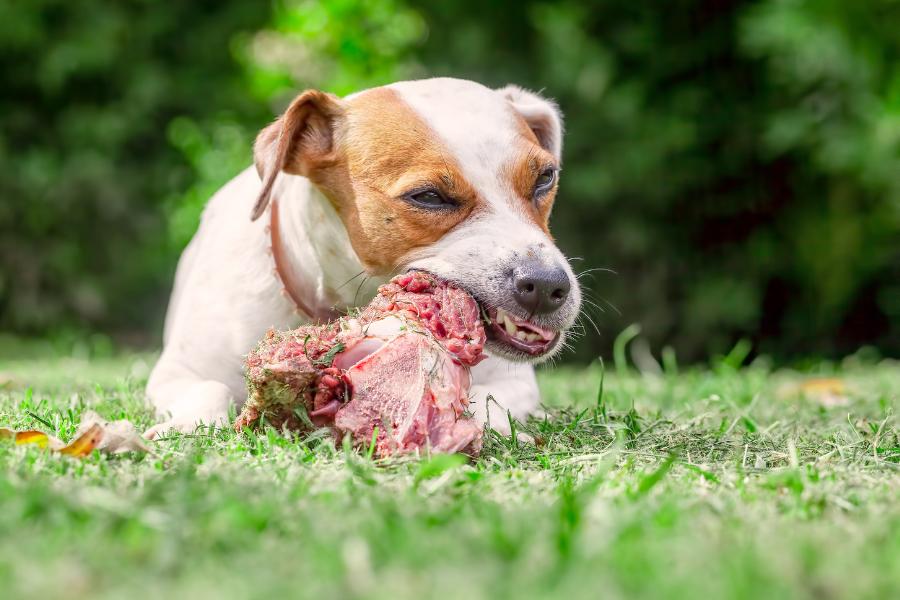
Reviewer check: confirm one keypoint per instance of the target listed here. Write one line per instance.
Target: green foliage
(833, 104)
(735, 163)
(88, 89)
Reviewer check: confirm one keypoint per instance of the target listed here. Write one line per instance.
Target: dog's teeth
(510, 326)
(532, 337)
(522, 336)
(506, 322)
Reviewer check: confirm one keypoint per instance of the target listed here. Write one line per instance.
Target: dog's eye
(545, 181)
(431, 200)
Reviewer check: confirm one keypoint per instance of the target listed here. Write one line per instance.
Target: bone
(397, 373)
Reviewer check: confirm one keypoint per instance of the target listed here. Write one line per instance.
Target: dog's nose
(540, 289)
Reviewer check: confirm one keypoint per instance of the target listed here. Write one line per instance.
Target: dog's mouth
(517, 333)
(511, 335)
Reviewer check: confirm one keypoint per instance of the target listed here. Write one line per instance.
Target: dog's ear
(298, 142)
(542, 115)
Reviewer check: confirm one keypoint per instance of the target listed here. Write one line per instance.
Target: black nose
(540, 289)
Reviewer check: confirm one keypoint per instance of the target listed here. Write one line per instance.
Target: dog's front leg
(199, 378)
(195, 402)
(501, 388)
(184, 399)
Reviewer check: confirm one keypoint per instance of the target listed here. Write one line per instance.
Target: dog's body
(442, 175)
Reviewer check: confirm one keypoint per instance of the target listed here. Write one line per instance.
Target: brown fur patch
(522, 173)
(384, 151)
(298, 142)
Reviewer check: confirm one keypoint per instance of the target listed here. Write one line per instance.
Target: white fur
(226, 295)
(479, 253)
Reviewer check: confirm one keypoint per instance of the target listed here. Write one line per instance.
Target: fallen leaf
(10, 382)
(38, 438)
(112, 437)
(823, 385)
(827, 391)
(118, 436)
(85, 443)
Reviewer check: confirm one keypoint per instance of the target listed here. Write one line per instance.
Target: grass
(709, 483)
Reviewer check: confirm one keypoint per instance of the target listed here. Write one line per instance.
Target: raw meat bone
(401, 365)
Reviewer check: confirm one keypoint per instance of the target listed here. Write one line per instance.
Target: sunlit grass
(705, 483)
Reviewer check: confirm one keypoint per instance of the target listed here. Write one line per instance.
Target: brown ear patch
(299, 142)
(385, 151)
(265, 146)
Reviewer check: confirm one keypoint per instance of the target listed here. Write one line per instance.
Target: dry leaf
(827, 391)
(10, 382)
(93, 433)
(38, 438)
(118, 436)
(85, 443)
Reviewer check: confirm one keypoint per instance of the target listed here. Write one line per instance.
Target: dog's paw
(160, 430)
(185, 424)
(176, 426)
(203, 403)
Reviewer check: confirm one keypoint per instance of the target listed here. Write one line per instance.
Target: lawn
(707, 483)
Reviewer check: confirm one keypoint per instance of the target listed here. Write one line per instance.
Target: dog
(442, 175)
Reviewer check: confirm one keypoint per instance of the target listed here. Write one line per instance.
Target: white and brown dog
(441, 175)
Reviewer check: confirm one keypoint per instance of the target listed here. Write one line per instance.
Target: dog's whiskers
(360, 287)
(351, 279)
(587, 272)
(592, 304)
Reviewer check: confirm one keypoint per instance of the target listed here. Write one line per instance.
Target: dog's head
(446, 176)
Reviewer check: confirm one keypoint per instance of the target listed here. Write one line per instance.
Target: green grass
(706, 484)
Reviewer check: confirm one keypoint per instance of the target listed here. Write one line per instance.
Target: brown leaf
(823, 385)
(38, 438)
(85, 443)
(827, 391)
(118, 436)
(93, 434)
(10, 382)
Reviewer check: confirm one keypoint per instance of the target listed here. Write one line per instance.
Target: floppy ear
(541, 114)
(298, 142)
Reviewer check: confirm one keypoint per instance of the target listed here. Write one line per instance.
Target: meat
(398, 371)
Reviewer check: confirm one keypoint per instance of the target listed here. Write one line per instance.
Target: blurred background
(731, 169)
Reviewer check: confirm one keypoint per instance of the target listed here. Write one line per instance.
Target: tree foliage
(735, 163)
